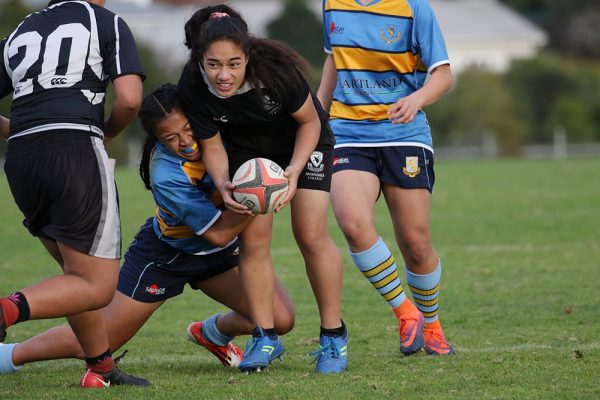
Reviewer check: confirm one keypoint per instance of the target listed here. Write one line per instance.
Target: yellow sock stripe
(429, 314)
(422, 292)
(394, 293)
(381, 283)
(426, 303)
(374, 271)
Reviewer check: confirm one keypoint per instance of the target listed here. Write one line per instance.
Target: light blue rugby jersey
(382, 52)
(185, 197)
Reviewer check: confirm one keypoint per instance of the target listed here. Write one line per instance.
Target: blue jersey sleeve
(187, 203)
(429, 39)
(326, 42)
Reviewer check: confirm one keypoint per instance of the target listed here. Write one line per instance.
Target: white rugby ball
(259, 185)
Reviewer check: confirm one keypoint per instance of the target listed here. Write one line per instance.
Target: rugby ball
(259, 185)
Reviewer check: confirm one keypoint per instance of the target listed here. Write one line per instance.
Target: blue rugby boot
(260, 351)
(332, 355)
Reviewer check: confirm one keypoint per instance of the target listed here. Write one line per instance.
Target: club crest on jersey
(315, 162)
(391, 34)
(412, 168)
(271, 106)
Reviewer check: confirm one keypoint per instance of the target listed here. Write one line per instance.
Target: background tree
(302, 29)
(479, 104)
(571, 24)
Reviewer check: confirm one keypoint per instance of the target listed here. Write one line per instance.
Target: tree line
(558, 89)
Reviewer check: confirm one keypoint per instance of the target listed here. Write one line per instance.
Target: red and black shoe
(93, 379)
(2, 326)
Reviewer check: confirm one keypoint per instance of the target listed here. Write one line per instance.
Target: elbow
(130, 102)
(218, 240)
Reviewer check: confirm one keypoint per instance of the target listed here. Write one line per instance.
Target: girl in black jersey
(248, 97)
(57, 65)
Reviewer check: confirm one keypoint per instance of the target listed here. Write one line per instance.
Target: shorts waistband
(42, 142)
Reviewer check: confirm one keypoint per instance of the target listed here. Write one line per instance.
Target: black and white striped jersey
(58, 63)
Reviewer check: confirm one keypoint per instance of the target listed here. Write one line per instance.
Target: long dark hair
(154, 108)
(272, 64)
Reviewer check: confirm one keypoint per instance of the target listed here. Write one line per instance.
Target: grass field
(520, 243)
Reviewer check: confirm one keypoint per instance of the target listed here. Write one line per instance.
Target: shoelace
(439, 338)
(251, 345)
(120, 357)
(329, 349)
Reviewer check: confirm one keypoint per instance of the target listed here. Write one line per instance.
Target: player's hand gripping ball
(259, 185)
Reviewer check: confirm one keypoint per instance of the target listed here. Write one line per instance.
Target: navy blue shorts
(154, 271)
(316, 174)
(408, 167)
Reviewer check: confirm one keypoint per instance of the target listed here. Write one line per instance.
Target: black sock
(21, 302)
(103, 363)
(271, 333)
(335, 332)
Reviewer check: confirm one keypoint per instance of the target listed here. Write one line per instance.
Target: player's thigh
(124, 317)
(353, 196)
(52, 248)
(256, 237)
(100, 274)
(309, 214)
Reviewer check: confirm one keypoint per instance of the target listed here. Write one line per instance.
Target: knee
(101, 295)
(308, 238)
(418, 253)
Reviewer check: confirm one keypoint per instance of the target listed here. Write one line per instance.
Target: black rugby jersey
(58, 63)
(245, 121)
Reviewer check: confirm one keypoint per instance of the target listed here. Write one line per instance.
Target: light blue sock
(379, 266)
(425, 291)
(212, 333)
(6, 364)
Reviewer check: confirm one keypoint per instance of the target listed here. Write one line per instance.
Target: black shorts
(316, 175)
(408, 167)
(154, 271)
(63, 183)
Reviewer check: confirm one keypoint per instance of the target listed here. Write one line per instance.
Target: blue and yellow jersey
(186, 201)
(382, 52)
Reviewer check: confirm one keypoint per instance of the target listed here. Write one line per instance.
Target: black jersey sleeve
(122, 57)
(5, 81)
(192, 102)
(296, 97)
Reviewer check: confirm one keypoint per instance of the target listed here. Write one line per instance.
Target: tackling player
(188, 241)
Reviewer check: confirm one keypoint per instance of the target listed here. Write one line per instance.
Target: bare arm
(227, 227)
(405, 109)
(217, 164)
(307, 137)
(128, 97)
(4, 127)
(328, 83)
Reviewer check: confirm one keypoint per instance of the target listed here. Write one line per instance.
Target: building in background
(485, 33)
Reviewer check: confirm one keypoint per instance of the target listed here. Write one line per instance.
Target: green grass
(520, 243)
